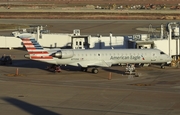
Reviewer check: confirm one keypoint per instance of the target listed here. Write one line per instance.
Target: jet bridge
(144, 44)
(140, 44)
(140, 41)
(80, 42)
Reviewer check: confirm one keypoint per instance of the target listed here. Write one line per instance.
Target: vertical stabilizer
(35, 50)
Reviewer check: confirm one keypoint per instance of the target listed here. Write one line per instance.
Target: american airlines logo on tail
(35, 50)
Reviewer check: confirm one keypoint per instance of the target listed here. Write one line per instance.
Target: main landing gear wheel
(95, 70)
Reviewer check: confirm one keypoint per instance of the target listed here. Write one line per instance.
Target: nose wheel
(162, 66)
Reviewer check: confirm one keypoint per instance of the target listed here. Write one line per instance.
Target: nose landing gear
(162, 66)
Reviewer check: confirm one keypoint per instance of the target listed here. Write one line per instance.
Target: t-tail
(35, 50)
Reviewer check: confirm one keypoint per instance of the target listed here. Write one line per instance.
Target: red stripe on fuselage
(38, 52)
(28, 44)
(41, 57)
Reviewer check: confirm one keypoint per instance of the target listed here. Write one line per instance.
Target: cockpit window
(162, 53)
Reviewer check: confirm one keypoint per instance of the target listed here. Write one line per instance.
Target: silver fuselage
(108, 57)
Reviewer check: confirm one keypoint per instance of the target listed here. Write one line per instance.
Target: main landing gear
(94, 70)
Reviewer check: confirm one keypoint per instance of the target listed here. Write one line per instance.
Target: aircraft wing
(98, 63)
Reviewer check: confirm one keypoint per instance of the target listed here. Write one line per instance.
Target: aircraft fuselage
(112, 56)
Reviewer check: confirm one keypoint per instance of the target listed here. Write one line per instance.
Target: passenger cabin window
(162, 53)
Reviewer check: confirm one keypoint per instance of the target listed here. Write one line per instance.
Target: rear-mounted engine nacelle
(63, 54)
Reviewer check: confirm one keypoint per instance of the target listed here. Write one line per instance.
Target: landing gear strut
(162, 66)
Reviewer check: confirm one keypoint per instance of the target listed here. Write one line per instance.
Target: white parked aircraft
(95, 58)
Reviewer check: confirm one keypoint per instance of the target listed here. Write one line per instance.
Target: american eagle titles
(125, 57)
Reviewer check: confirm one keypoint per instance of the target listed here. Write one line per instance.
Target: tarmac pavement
(38, 91)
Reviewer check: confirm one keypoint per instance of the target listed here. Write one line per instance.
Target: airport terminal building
(168, 41)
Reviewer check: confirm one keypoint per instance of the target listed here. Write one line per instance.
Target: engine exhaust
(27, 56)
